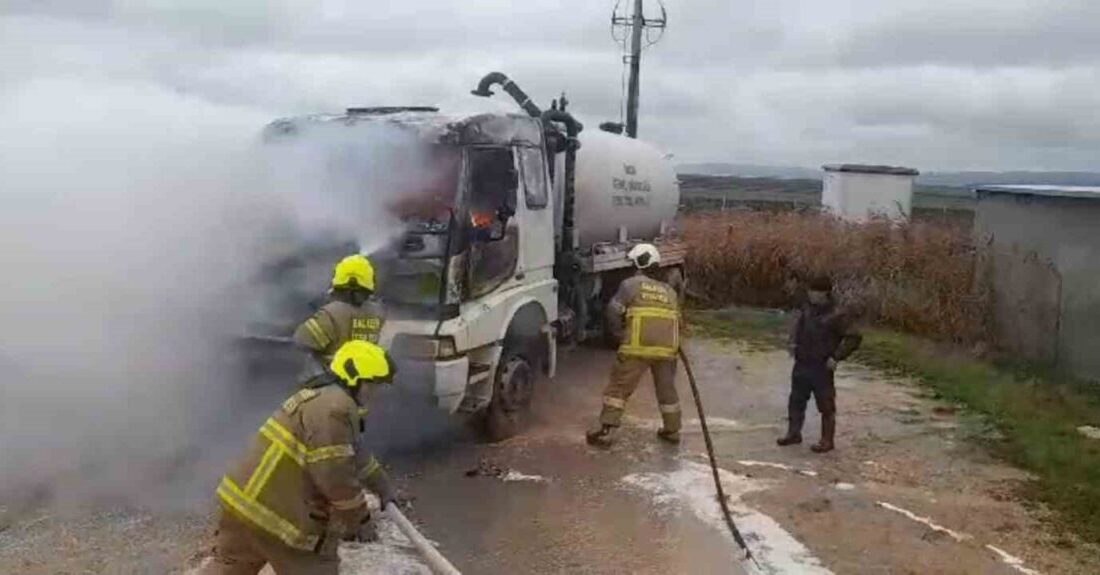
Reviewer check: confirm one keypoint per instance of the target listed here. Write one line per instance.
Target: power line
(634, 27)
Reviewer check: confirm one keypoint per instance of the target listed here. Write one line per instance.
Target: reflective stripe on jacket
(339, 322)
(652, 314)
(298, 480)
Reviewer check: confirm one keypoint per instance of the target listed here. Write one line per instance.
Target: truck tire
(513, 389)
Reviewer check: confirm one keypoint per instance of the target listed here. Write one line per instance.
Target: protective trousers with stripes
(241, 550)
(625, 375)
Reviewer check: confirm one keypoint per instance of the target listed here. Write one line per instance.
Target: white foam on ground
(514, 475)
(844, 486)
(1012, 561)
(783, 466)
(925, 521)
(691, 487)
(393, 554)
(692, 425)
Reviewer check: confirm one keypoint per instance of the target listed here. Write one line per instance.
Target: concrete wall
(858, 196)
(1040, 244)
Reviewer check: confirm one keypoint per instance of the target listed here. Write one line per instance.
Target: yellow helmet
(354, 271)
(361, 361)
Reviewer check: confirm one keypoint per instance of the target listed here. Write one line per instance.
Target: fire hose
(714, 462)
(436, 561)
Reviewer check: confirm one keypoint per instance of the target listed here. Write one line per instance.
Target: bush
(918, 277)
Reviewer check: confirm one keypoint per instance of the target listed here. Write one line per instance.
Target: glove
(379, 483)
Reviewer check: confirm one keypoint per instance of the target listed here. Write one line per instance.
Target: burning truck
(513, 245)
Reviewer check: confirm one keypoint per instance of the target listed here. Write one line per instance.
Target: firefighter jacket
(645, 315)
(300, 479)
(337, 323)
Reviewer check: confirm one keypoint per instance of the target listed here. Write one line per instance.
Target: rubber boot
(794, 428)
(600, 436)
(828, 433)
(671, 437)
(670, 426)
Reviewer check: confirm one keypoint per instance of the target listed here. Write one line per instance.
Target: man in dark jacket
(821, 336)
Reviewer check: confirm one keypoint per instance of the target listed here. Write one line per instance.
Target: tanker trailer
(514, 239)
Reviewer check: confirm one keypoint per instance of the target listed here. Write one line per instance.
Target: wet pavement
(907, 491)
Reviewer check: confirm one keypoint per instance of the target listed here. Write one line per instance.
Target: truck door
(536, 216)
(494, 228)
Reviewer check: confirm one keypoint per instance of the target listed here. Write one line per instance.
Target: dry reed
(916, 277)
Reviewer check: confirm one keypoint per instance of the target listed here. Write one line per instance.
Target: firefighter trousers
(625, 375)
(241, 550)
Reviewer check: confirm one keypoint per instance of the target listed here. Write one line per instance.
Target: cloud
(972, 83)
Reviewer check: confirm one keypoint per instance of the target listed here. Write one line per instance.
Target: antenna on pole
(633, 27)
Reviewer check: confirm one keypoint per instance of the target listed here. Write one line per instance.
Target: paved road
(906, 493)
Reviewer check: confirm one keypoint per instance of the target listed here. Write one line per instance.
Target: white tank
(622, 183)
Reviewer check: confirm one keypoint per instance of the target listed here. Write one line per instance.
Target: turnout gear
(299, 488)
(644, 256)
(359, 362)
(241, 550)
(645, 315)
(337, 323)
(820, 337)
(354, 271)
(652, 314)
(600, 436)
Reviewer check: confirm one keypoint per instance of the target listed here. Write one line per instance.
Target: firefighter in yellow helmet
(645, 315)
(350, 315)
(299, 489)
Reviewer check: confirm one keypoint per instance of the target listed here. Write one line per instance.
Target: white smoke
(134, 221)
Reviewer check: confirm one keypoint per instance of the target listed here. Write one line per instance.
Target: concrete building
(857, 192)
(1045, 265)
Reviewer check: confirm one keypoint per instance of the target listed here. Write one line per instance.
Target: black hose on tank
(517, 93)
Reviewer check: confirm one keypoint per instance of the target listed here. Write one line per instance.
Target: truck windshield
(411, 267)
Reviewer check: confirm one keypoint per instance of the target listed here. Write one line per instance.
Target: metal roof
(1078, 192)
(869, 169)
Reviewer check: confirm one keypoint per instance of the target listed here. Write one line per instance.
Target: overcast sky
(944, 84)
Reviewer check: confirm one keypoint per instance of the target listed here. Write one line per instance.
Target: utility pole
(636, 23)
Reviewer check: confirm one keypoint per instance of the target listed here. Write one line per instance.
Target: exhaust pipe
(509, 86)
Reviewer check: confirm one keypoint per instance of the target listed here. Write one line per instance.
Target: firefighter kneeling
(299, 489)
(650, 340)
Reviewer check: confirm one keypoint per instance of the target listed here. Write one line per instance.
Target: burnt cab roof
(428, 123)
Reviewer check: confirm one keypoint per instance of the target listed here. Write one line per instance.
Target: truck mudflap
(442, 382)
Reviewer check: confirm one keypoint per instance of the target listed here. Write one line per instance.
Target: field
(916, 278)
(701, 193)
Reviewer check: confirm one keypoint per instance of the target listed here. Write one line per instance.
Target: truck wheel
(512, 392)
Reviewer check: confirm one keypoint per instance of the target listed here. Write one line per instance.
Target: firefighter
(300, 487)
(645, 316)
(821, 336)
(351, 314)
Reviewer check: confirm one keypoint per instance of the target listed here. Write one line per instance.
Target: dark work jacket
(820, 333)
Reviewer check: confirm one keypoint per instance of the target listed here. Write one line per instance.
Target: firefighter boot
(828, 431)
(671, 437)
(600, 436)
(670, 425)
(795, 418)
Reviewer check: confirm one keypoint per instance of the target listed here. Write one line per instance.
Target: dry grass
(917, 278)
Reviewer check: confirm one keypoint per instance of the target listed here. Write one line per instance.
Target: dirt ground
(907, 491)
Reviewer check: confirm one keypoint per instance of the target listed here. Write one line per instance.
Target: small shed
(1044, 262)
(858, 192)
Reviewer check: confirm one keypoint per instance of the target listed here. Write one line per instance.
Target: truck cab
(489, 269)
